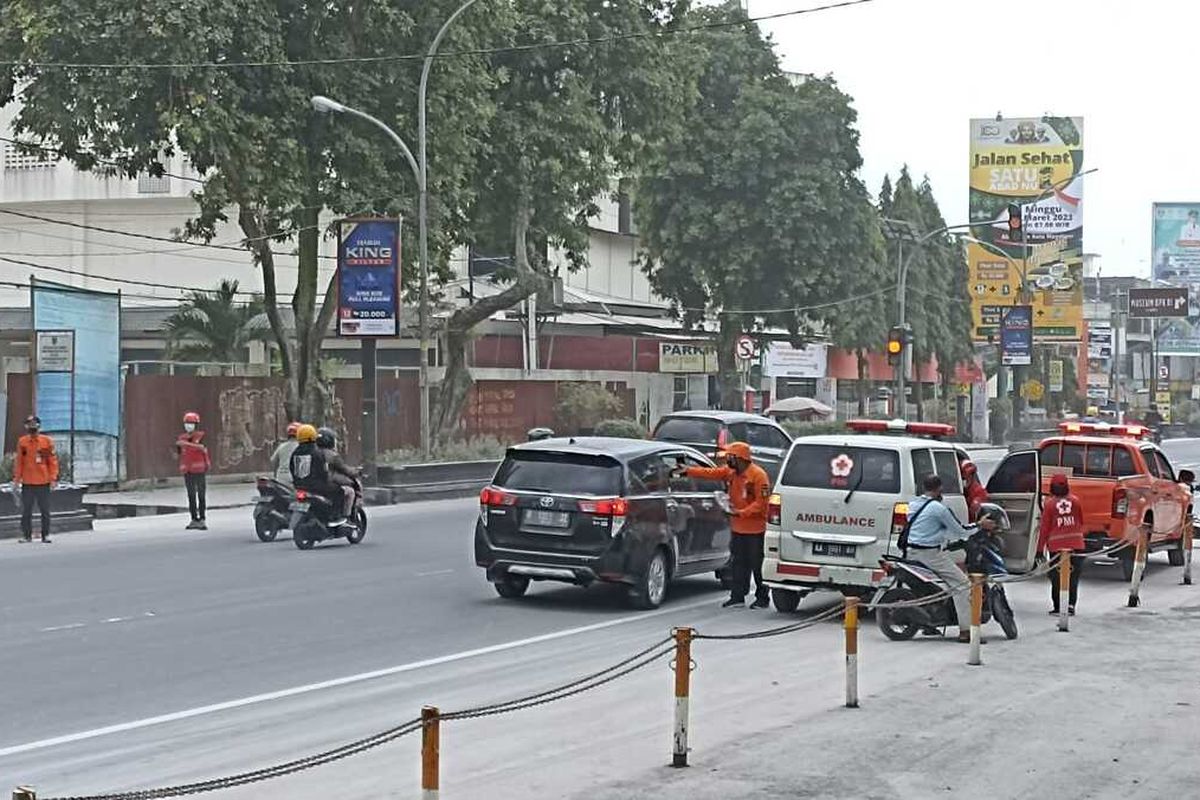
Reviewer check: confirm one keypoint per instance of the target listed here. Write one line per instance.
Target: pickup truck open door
(1015, 486)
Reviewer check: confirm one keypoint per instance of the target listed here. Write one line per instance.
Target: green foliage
(621, 428)
(582, 406)
(753, 202)
(215, 326)
(480, 448)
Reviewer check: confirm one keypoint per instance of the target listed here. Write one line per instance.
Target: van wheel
(510, 587)
(786, 602)
(895, 622)
(651, 587)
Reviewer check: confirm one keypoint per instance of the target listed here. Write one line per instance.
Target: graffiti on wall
(251, 419)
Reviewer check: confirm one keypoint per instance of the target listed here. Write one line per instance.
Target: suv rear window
(688, 429)
(827, 466)
(560, 473)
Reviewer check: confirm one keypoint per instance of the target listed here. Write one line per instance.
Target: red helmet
(1059, 484)
(192, 417)
(968, 469)
(292, 428)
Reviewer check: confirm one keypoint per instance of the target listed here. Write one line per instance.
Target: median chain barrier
(851, 625)
(1139, 567)
(431, 732)
(1189, 532)
(683, 689)
(1064, 590)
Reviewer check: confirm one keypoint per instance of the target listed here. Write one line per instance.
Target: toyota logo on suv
(546, 502)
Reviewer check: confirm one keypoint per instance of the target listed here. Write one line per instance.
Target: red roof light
(899, 426)
(1103, 429)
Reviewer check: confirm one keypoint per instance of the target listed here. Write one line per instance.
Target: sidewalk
(166, 500)
(1107, 711)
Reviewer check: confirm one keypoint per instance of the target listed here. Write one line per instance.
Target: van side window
(1122, 466)
(922, 463)
(947, 470)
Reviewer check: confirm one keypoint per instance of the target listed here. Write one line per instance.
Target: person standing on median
(932, 526)
(194, 464)
(1062, 529)
(35, 471)
(749, 490)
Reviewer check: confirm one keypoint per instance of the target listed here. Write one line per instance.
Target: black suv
(709, 431)
(600, 509)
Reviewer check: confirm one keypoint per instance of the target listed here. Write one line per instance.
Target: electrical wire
(483, 51)
(794, 309)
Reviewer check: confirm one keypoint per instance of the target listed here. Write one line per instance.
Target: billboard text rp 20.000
(369, 277)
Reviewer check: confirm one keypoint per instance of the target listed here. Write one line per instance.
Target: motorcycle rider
(976, 494)
(931, 526)
(339, 473)
(281, 459)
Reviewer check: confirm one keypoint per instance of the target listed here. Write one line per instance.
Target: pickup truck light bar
(899, 426)
(1104, 429)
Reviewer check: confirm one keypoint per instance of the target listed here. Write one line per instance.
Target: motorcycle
(311, 515)
(271, 508)
(911, 581)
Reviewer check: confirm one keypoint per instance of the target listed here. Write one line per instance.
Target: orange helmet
(192, 417)
(292, 428)
(737, 450)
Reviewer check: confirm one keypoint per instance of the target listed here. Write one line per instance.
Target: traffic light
(895, 345)
(1014, 218)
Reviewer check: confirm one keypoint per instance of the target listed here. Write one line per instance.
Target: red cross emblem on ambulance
(841, 466)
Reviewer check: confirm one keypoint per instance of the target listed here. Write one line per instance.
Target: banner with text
(1176, 260)
(1035, 163)
(368, 278)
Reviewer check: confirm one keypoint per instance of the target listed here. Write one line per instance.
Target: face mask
(189, 426)
(33, 428)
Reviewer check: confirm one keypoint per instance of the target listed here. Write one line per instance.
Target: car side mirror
(1187, 476)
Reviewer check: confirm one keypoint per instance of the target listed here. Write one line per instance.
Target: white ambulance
(841, 501)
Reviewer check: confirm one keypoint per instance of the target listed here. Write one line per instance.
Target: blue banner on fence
(368, 277)
(95, 317)
(1016, 336)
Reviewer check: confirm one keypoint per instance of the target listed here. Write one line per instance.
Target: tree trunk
(452, 392)
(729, 373)
(864, 398)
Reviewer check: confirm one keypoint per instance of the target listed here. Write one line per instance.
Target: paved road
(144, 655)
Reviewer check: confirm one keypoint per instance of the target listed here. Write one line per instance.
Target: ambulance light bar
(899, 426)
(1103, 429)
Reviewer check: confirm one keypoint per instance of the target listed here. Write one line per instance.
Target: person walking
(1062, 529)
(932, 526)
(749, 490)
(35, 471)
(194, 464)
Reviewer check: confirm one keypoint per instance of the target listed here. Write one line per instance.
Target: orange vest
(36, 463)
(749, 492)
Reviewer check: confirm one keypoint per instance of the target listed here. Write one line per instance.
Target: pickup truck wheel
(1175, 554)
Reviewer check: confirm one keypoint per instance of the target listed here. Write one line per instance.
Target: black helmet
(326, 438)
(996, 514)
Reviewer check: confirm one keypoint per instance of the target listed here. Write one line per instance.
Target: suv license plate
(833, 549)
(546, 519)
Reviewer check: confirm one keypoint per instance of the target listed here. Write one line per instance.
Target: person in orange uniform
(35, 471)
(749, 490)
(194, 464)
(1062, 529)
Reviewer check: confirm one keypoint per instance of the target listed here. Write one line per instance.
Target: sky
(919, 70)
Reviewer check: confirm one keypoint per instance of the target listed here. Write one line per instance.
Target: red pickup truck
(1123, 482)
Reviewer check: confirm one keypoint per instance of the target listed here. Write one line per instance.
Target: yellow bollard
(430, 752)
(1139, 566)
(683, 691)
(851, 623)
(975, 657)
(24, 793)
(1064, 590)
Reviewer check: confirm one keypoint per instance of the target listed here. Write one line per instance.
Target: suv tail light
(301, 495)
(723, 438)
(899, 518)
(605, 507)
(774, 510)
(1120, 504)
(491, 496)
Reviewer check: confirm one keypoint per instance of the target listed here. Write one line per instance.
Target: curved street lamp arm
(395, 137)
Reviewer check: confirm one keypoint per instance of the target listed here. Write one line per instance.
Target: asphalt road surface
(144, 655)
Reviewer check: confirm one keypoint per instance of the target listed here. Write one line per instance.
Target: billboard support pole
(72, 445)
(1153, 361)
(370, 397)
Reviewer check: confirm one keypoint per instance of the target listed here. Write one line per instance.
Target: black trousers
(1077, 563)
(746, 551)
(29, 496)
(197, 485)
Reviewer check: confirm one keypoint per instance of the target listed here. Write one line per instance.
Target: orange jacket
(36, 463)
(749, 492)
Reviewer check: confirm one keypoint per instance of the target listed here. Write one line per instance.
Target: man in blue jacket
(932, 526)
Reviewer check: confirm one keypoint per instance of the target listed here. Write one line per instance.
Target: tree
(243, 121)
(215, 326)
(751, 208)
(567, 122)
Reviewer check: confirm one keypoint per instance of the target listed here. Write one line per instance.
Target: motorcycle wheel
(356, 536)
(893, 621)
(301, 538)
(265, 529)
(1002, 612)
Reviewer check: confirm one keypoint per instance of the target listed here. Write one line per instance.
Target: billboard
(1016, 336)
(368, 279)
(1158, 303)
(1035, 163)
(1175, 237)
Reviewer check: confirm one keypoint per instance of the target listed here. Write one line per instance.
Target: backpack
(903, 540)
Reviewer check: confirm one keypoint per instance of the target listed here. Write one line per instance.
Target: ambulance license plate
(833, 549)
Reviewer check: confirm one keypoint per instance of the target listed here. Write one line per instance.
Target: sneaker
(191, 526)
(201, 525)
(1054, 612)
(761, 602)
(45, 540)
(337, 523)
(25, 539)
(731, 603)
(1071, 610)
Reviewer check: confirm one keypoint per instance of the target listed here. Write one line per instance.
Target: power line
(119, 281)
(795, 309)
(483, 51)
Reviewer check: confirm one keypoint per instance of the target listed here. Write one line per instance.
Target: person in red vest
(972, 487)
(194, 464)
(1062, 529)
